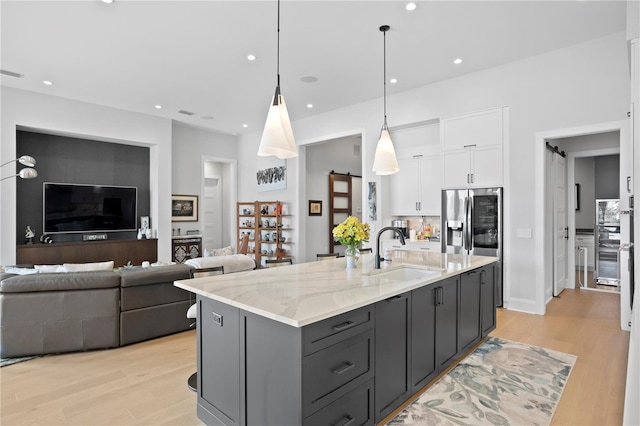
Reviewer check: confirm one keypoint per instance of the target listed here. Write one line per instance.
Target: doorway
(342, 155)
(218, 202)
(592, 141)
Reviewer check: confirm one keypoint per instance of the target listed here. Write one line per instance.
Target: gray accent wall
(63, 159)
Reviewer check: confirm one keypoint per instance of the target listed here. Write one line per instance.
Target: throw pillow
(96, 266)
(50, 268)
(19, 271)
(224, 251)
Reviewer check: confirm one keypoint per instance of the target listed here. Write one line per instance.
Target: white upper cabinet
(415, 189)
(472, 149)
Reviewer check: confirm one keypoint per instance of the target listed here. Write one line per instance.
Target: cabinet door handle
(394, 298)
(468, 178)
(471, 177)
(344, 326)
(629, 184)
(343, 368)
(441, 296)
(483, 277)
(417, 208)
(346, 420)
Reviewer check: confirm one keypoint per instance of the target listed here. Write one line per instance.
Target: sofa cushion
(231, 263)
(59, 282)
(154, 275)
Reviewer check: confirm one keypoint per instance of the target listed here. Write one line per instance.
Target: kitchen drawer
(333, 330)
(333, 372)
(354, 409)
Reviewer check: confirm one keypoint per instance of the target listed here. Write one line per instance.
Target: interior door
(561, 231)
(212, 213)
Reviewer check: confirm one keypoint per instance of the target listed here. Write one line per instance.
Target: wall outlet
(523, 232)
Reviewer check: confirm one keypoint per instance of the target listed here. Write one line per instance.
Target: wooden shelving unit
(267, 224)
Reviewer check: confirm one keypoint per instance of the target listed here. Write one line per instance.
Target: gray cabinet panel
(488, 296)
(470, 309)
(423, 337)
(272, 355)
(219, 372)
(447, 321)
(392, 345)
(354, 409)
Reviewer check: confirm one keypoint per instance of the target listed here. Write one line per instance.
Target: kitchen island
(315, 343)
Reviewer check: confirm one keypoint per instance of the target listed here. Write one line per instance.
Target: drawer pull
(395, 298)
(343, 368)
(344, 326)
(346, 420)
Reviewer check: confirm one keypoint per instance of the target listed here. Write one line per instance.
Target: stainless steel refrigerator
(608, 242)
(472, 224)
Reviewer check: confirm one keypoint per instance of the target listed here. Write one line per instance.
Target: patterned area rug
(500, 383)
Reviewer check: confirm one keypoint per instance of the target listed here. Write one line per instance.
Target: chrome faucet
(387, 228)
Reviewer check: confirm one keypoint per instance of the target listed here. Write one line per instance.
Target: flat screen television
(89, 208)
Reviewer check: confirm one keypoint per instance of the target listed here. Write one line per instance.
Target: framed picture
(144, 223)
(184, 208)
(315, 208)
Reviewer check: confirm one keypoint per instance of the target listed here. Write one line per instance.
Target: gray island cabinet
(316, 344)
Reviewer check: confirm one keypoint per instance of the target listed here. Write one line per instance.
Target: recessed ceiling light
(457, 61)
(251, 57)
(107, 1)
(47, 83)
(245, 125)
(309, 79)
(411, 6)
(158, 106)
(309, 105)
(393, 81)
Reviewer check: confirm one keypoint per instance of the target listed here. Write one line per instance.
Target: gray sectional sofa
(64, 312)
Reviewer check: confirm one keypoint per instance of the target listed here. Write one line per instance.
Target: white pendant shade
(277, 137)
(385, 162)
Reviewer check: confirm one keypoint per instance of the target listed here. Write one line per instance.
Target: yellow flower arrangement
(351, 233)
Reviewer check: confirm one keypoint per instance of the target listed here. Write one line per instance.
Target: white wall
(583, 84)
(192, 149)
(322, 158)
(67, 117)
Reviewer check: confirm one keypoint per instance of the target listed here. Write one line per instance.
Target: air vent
(185, 112)
(356, 150)
(11, 73)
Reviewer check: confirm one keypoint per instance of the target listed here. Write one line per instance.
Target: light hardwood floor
(145, 383)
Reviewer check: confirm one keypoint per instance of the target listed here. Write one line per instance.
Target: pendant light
(277, 137)
(385, 162)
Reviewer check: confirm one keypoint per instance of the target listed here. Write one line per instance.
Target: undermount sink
(404, 273)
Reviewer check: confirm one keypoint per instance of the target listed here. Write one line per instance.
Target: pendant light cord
(278, 50)
(384, 30)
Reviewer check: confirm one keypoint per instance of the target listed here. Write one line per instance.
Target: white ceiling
(191, 55)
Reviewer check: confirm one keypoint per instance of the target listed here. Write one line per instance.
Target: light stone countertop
(305, 293)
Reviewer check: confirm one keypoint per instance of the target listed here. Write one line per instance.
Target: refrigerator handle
(467, 219)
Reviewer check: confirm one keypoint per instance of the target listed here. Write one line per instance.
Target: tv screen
(89, 208)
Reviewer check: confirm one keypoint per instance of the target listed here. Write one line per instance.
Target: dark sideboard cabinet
(120, 251)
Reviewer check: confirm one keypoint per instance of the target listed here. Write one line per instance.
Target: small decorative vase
(352, 253)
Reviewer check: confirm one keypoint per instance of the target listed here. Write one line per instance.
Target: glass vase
(352, 253)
